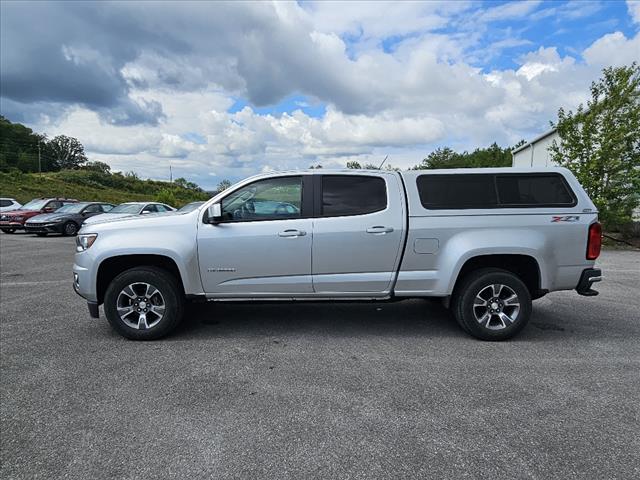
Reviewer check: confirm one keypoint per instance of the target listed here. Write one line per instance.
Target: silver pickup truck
(486, 241)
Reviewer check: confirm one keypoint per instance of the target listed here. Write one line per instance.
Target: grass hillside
(95, 186)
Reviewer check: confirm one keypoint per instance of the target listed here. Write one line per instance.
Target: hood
(13, 213)
(105, 217)
(153, 222)
(46, 217)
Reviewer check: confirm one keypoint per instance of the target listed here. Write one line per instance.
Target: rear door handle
(292, 233)
(379, 229)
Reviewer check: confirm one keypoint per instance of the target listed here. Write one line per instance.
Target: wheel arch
(526, 267)
(111, 267)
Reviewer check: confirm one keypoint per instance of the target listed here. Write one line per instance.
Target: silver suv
(485, 241)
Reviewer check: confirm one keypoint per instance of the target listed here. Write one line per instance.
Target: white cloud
(423, 92)
(634, 10)
(613, 49)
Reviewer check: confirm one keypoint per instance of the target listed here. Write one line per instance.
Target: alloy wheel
(140, 305)
(496, 306)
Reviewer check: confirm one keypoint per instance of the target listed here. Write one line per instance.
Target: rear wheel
(492, 304)
(8, 230)
(70, 229)
(144, 303)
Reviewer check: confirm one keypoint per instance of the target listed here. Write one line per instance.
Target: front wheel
(492, 304)
(70, 229)
(144, 303)
(8, 230)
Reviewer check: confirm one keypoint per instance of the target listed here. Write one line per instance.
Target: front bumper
(587, 279)
(11, 225)
(43, 227)
(94, 308)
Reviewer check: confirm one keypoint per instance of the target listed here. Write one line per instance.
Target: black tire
(171, 294)
(41, 234)
(8, 230)
(70, 229)
(497, 327)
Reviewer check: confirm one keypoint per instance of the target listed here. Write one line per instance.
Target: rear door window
(352, 195)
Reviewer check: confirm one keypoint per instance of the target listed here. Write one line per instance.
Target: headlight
(84, 241)
(58, 220)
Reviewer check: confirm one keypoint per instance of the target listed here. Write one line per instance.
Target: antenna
(385, 159)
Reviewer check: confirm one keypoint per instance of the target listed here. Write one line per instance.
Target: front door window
(270, 199)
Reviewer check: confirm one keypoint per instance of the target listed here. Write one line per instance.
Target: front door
(262, 247)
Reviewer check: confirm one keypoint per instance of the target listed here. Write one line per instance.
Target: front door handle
(292, 233)
(379, 229)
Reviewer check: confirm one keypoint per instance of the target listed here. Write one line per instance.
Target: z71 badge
(565, 218)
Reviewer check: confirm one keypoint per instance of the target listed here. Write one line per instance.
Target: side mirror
(214, 213)
(145, 212)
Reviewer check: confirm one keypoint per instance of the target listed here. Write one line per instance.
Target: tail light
(594, 243)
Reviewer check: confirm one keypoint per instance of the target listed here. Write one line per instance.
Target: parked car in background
(130, 209)
(67, 219)
(190, 207)
(15, 219)
(8, 204)
(486, 241)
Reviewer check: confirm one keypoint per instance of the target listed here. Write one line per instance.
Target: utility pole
(170, 174)
(39, 161)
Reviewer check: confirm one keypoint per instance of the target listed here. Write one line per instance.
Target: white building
(536, 152)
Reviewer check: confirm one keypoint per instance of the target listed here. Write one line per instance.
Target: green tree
(27, 162)
(223, 185)
(600, 143)
(166, 196)
(354, 165)
(96, 166)
(67, 152)
(445, 157)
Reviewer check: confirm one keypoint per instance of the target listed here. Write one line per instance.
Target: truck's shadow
(410, 317)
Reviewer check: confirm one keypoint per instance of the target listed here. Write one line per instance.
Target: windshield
(126, 208)
(190, 207)
(34, 205)
(72, 208)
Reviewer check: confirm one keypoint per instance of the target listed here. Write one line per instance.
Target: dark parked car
(66, 220)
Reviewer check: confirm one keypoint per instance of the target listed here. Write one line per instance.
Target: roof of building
(535, 140)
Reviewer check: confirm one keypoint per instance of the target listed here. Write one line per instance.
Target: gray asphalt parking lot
(392, 390)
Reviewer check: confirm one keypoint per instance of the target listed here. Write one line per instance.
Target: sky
(226, 90)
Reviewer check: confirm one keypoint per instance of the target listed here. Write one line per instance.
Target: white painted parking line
(21, 284)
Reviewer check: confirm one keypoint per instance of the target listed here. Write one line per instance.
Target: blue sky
(228, 89)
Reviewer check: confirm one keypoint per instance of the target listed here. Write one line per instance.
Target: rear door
(357, 234)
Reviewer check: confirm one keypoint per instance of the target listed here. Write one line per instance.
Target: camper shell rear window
(494, 190)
